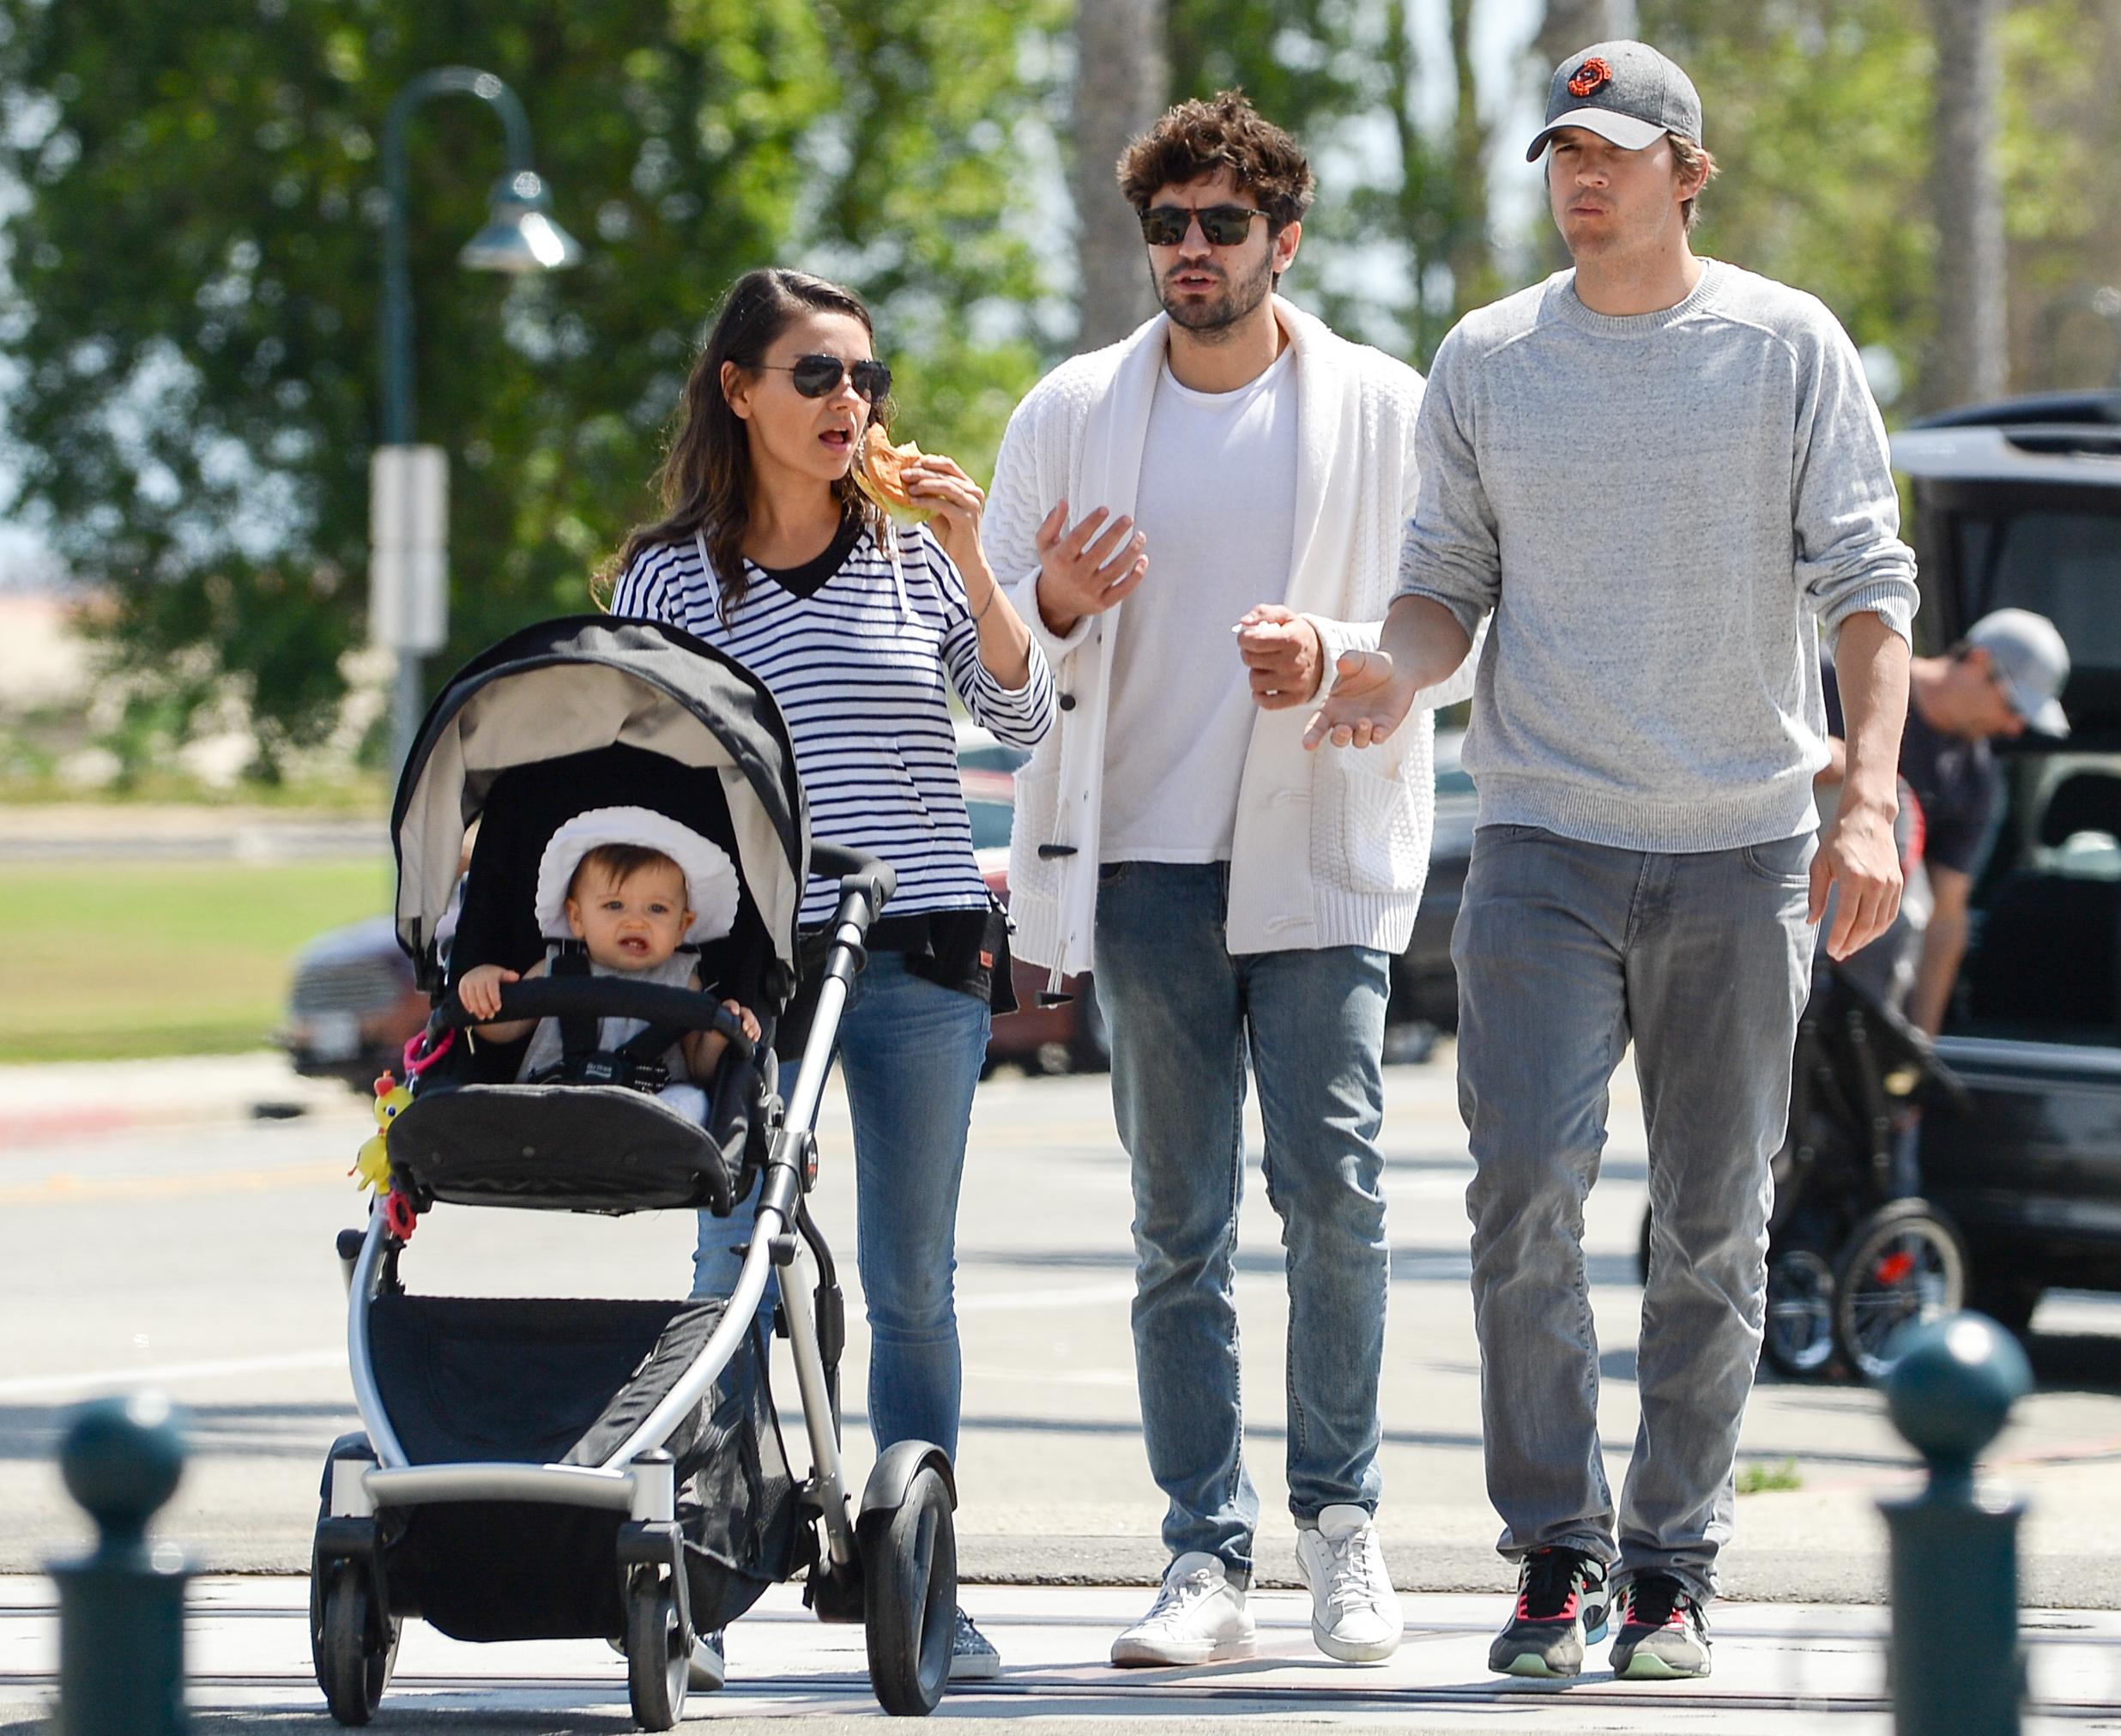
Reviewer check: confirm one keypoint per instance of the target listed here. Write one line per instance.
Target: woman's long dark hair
(705, 479)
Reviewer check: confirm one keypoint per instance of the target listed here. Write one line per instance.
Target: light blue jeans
(909, 1053)
(1565, 951)
(1184, 1012)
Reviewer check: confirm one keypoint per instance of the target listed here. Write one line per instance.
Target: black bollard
(122, 1607)
(1957, 1668)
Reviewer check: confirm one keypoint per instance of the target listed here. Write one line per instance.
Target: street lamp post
(408, 519)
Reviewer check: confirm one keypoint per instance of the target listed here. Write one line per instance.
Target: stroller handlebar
(604, 997)
(857, 873)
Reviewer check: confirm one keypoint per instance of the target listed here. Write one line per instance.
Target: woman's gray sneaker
(1663, 1633)
(972, 1654)
(1560, 1609)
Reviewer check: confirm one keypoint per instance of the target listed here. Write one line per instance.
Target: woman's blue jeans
(909, 1053)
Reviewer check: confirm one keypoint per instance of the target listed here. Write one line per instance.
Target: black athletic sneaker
(1663, 1633)
(1560, 1609)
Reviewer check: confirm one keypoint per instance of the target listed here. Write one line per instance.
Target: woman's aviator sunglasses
(1225, 226)
(818, 375)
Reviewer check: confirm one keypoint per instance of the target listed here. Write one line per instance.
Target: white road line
(1028, 1301)
(162, 1374)
(1117, 1378)
(159, 1373)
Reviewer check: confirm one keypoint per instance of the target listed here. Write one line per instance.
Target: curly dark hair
(1197, 138)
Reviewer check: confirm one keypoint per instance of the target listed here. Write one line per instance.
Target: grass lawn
(101, 959)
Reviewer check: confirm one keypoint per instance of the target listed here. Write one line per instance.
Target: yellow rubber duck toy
(373, 1163)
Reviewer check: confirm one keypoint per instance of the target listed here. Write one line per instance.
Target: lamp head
(520, 235)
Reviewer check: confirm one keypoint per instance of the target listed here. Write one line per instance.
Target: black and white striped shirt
(857, 668)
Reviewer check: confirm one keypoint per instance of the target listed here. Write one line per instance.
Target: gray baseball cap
(1625, 92)
(2032, 662)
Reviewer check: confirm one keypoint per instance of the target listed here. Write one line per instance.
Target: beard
(1211, 318)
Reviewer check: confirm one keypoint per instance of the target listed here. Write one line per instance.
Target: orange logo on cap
(1594, 75)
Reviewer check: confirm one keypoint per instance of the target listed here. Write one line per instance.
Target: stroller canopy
(581, 683)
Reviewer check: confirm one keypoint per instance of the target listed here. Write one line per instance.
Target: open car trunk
(2021, 509)
(2018, 506)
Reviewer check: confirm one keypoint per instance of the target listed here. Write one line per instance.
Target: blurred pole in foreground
(122, 1605)
(1956, 1666)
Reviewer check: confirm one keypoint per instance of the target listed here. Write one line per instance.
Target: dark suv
(2018, 505)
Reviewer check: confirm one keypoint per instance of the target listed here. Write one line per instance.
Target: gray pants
(1564, 951)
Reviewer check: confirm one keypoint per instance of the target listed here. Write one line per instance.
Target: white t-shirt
(1216, 505)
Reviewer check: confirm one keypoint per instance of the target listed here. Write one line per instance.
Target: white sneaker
(1355, 1612)
(1198, 1617)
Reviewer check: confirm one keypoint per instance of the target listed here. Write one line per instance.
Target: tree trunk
(1970, 361)
(1122, 83)
(1469, 251)
(1568, 28)
(1570, 25)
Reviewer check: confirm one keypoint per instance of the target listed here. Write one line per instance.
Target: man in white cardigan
(1232, 468)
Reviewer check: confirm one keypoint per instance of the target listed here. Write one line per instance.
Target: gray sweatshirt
(1656, 508)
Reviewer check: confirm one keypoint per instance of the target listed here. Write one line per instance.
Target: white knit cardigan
(1331, 847)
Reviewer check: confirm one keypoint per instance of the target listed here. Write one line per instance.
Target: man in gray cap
(1659, 477)
(2005, 677)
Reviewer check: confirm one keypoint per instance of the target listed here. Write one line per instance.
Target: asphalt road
(200, 1260)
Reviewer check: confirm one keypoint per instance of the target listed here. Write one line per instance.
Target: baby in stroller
(621, 890)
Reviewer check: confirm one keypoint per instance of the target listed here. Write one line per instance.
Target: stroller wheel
(1798, 1338)
(910, 1582)
(1903, 1265)
(350, 1669)
(656, 1654)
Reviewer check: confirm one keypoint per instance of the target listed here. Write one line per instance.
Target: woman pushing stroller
(770, 551)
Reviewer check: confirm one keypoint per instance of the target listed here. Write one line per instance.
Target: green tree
(1822, 114)
(1398, 246)
(193, 280)
(1819, 112)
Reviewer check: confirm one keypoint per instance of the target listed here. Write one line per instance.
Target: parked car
(1424, 984)
(352, 1004)
(979, 749)
(2018, 505)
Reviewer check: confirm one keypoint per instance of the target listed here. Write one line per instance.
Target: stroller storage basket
(548, 1381)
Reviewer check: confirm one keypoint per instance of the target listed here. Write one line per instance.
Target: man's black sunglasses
(1225, 226)
(818, 375)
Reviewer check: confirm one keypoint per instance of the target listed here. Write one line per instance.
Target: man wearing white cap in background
(2005, 677)
(1658, 476)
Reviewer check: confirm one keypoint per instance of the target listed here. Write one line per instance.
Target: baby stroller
(1854, 1252)
(537, 1468)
